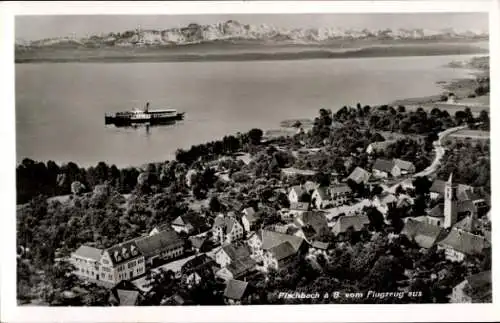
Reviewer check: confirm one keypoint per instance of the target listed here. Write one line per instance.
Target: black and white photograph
(325, 158)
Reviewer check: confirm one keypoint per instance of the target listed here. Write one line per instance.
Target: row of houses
(127, 260)
(385, 168)
(321, 197)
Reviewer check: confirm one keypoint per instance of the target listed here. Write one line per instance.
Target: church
(452, 225)
(460, 209)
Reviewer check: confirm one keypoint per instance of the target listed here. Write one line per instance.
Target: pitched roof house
(86, 260)
(315, 220)
(310, 186)
(238, 269)
(384, 168)
(235, 291)
(263, 243)
(424, 234)
(295, 194)
(356, 222)
(197, 263)
(231, 252)
(359, 175)
(249, 218)
(460, 243)
(227, 229)
(88, 252)
(189, 223)
(124, 252)
(122, 261)
(280, 256)
(379, 146)
(474, 289)
(271, 239)
(320, 197)
(406, 167)
(200, 243)
(125, 293)
(164, 245)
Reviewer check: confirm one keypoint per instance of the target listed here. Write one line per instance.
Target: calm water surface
(60, 107)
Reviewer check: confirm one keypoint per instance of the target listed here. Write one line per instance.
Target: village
(300, 217)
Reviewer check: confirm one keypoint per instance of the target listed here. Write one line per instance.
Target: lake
(60, 106)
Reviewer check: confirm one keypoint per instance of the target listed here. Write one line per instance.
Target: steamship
(144, 116)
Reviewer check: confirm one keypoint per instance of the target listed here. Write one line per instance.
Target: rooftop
(381, 145)
(283, 250)
(424, 234)
(235, 289)
(357, 222)
(298, 190)
(464, 242)
(196, 263)
(152, 245)
(359, 175)
(383, 165)
(225, 222)
(322, 192)
(236, 250)
(124, 252)
(271, 239)
(403, 164)
(242, 266)
(88, 252)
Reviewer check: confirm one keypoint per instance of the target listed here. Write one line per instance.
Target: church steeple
(450, 203)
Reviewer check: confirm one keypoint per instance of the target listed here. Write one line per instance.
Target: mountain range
(233, 31)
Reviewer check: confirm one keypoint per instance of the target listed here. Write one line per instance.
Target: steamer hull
(153, 117)
(127, 121)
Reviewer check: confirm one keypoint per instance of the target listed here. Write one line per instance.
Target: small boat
(138, 116)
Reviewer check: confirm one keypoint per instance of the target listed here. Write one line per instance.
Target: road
(439, 152)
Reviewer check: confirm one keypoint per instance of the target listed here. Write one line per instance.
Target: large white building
(122, 262)
(86, 261)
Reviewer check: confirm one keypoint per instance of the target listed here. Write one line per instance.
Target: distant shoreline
(158, 55)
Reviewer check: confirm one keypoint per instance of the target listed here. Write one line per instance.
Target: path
(439, 152)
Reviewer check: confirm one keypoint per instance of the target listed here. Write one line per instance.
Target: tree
(305, 197)
(162, 283)
(485, 119)
(422, 185)
(255, 136)
(377, 189)
(215, 205)
(322, 179)
(385, 273)
(376, 218)
(77, 188)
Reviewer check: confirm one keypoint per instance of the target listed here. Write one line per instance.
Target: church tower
(450, 203)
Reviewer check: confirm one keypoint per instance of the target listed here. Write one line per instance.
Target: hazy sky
(37, 27)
